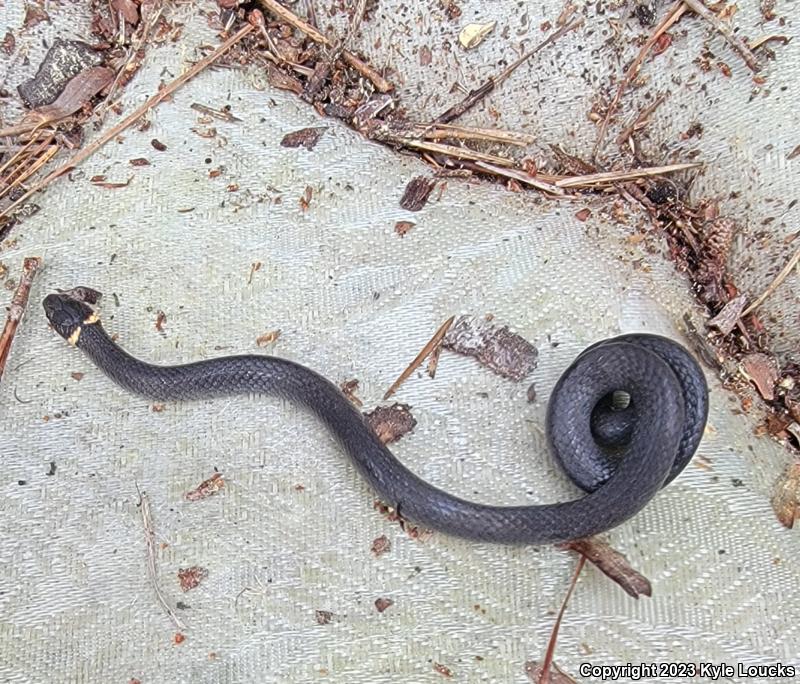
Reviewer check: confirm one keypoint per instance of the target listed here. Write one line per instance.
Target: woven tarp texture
(290, 534)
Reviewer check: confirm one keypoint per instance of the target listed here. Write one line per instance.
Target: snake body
(620, 458)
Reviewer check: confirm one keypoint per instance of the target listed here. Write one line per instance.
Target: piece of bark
(65, 60)
(305, 137)
(416, 193)
(762, 371)
(390, 423)
(502, 351)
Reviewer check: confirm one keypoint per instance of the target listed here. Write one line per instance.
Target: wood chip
(139, 161)
(382, 604)
(390, 423)
(611, 563)
(496, 347)
(268, 338)
(206, 488)
(305, 137)
(416, 193)
(158, 145)
(442, 670)
(402, 227)
(762, 371)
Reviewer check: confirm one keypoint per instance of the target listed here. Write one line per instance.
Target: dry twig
(129, 120)
(551, 644)
(608, 177)
(475, 96)
(675, 13)
(434, 342)
(150, 538)
(17, 308)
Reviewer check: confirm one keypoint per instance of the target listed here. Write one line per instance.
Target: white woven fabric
(355, 300)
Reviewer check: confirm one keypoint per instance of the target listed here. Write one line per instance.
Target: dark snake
(620, 458)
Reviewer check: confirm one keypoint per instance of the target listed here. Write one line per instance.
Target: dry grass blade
(610, 177)
(434, 342)
(522, 177)
(129, 120)
(150, 539)
(775, 284)
(436, 131)
(452, 151)
(17, 308)
(544, 677)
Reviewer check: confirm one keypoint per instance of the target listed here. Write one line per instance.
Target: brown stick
(438, 336)
(17, 308)
(475, 96)
(544, 677)
(290, 17)
(740, 46)
(129, 120)
(616, 176)
(675, 13)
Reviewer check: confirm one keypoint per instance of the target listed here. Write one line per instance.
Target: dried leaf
(390, 423)
(206, 488)
(305, 137)
(191, 577)
(77, 92)
(762, 371)
(612, 563)
(473, 35)
(506, 353)
(786, 500)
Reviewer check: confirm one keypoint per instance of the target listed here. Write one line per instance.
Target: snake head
(67, 315)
